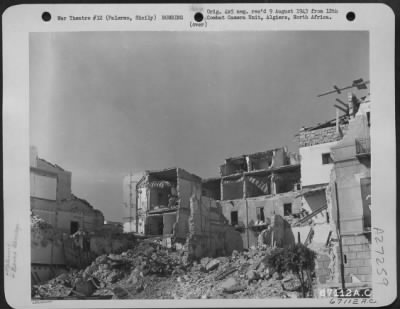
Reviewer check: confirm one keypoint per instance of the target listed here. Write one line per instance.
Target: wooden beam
(341, 108)
(341, 102)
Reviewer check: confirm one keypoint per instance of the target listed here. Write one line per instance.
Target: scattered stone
(229, 284)
(235, 253)
(252, 275)
(84, 287)
(204, 261)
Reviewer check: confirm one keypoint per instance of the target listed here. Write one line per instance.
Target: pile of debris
(152, 271)
(145, 259)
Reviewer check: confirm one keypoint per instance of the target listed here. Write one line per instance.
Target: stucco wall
(313, 172)
(247, 216)
(348, 172)
(209, 233)
(186, 188)
(129, 195)
(60, 214)
(43, 186)
(351, 210)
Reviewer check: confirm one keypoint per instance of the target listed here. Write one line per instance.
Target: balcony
(363, 147)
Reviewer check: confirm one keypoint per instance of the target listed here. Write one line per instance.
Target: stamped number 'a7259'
(380, 259)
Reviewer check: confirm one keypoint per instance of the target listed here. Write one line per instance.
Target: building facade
(56, 213)
(256, 187)
(335, 165)
(350, 188)
(169, 205)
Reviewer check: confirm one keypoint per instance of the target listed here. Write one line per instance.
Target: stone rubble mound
(150, 271)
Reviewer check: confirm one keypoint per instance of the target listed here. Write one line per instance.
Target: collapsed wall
(209, 232)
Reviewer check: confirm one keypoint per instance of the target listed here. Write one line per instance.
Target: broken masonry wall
(187, 186)
(63, 178)
(61, 214)
(311, 137)
(247, 210)
(209, 232)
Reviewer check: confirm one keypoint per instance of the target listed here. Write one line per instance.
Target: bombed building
(319, 197)
(55, 211)
(53, 201)
(169, 205)
(336, 194)
(255, 188)
(252, 190)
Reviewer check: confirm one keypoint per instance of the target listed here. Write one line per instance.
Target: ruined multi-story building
(169, 205)
(319, 197)
(255, 187)
(252, 191)
(335, 174)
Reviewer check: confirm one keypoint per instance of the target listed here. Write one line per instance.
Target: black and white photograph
(195, 165)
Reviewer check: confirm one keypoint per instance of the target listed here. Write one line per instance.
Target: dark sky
(107, 103)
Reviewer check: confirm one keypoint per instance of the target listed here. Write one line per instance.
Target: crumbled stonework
(151, 271)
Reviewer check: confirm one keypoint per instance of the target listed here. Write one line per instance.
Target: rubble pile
(154, 272)
(145, 259)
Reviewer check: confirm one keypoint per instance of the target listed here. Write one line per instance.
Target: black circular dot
(198, 17)
(46, 16)
(350, 16)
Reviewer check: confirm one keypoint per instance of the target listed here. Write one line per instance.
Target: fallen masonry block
(212, 265)
(84, 287)
(121, 293)
(252, 275)
(231, 285)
